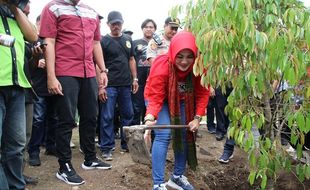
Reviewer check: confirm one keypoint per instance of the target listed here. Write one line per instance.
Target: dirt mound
(126, 174)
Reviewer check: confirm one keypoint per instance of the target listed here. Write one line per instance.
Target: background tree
(252, 45)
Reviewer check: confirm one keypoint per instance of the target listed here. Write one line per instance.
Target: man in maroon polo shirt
(72, 32)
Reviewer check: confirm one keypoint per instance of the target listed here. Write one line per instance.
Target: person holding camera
(148, 27)
(71, 51)
(160, 44)
(12, 93)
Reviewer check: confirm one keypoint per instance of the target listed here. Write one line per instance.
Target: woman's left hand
(194, 125)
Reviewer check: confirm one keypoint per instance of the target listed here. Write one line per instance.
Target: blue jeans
(122, 95)
(161, 144)
(12, 137)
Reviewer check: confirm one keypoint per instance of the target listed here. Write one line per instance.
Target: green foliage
(251, 45)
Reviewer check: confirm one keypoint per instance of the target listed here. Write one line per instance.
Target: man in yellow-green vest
(13, 81)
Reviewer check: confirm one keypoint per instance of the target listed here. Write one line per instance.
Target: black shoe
(117, 135)
(211, 130)
(96, 164)
(34, 160)
(68, 175)
(30, 180)
(219, 136)
(50, 152)
(123, 150)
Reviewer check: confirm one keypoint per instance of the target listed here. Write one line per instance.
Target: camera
(157, 39)
(18, 3)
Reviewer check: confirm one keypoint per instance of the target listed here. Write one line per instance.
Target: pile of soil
(126, 174)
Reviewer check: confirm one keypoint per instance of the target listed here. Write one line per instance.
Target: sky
(134, 11)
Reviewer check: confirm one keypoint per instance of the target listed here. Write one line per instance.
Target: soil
(126, 174)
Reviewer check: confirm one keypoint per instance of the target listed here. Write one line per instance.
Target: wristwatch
(136, 79)
(104, 71)
(198, 117)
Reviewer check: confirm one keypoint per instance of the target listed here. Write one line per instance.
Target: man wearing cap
(160, 44)
(72, 32)
(118, 56)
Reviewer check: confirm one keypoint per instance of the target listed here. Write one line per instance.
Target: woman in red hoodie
(174, 96)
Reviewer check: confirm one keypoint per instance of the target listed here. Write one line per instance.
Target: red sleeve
(201, 97)
(48, 26)
(97, 36)
(155, 91)
(156, 94)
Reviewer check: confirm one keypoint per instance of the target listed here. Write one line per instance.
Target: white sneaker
(160, 187)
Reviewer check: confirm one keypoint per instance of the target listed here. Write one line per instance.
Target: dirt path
(126, 174)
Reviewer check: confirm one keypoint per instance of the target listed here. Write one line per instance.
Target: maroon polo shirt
(74, 28)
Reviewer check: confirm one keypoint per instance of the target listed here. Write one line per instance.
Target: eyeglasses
(174, 28)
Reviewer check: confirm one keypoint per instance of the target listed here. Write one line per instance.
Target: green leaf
(307, 125)
(267, 144)
(248, 143)
(231, 131)
(294, 138)
(301, 123)
(251, 177)
(248, 123)
(307, 172)
(264, 181)
(299, 151)
(243, 121)
(252, 159)
(290, 75)
(288, 164)
(240, 137)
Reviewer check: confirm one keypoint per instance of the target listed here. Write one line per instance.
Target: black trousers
(79, 94)
(222, 121)
(139, 108)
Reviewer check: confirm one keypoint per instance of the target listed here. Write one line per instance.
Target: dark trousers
(222, 120)
(44, 124)
(139, 108)
(79, 94)
(210, 114)
(229, 145)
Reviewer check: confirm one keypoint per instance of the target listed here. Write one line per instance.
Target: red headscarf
(182, 40)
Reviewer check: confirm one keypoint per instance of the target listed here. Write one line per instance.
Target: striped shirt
(74, 28)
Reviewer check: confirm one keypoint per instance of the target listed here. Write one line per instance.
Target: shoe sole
(226, 161)
(107, 159)
(68, 182)
(34, 164)
(174, 185)
(92, 167)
